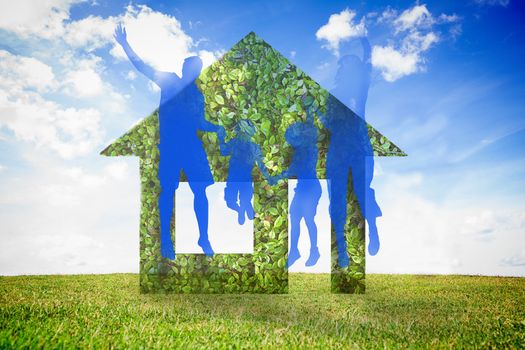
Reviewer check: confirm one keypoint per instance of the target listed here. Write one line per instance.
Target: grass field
(103, 311)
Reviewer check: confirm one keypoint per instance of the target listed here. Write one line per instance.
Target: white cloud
(394, 64)
(83, 79)
(131, 75)
(85, 83)
(68, 131)
(43, 19)
(412, 18)
(444, 18)
(19, 72)
(415, 28)
(2, 168)
(341, 27)
(417, 42)
(90, 33)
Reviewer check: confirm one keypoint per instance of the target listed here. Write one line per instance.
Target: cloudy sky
(448, 88)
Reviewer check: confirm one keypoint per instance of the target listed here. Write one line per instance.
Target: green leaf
(219, 99)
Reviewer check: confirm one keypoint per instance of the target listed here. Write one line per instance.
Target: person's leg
(310, 209)
(245, 199)
(168, 184)
(314, 250)
(338, 201)
(295, 227)
(200, 205)
(231, 192)
(362, 174)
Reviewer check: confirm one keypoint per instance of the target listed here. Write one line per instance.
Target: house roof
(252, 80)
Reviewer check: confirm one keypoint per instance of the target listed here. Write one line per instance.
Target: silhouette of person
(181, 115)
(243, 154)
(350, 149)
(302, 136)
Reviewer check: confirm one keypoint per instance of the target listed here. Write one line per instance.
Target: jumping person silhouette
(181, 115)
(243, 154)
(350, 148)
(302, 136)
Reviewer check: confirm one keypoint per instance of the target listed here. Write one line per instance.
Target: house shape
(253, 81)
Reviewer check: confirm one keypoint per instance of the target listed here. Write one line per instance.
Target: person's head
(192, 67)
(245, 128)
(308, 102)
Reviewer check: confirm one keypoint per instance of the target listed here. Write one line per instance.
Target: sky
(448, 88)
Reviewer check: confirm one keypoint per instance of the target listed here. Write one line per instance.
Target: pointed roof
(252, 80)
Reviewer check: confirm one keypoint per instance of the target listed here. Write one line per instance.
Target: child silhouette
(302, 136)
(243, 154)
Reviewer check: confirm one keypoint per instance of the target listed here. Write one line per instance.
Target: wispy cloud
(340, 27)
(415, 33)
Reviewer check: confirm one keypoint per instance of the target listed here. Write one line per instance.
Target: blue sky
(455, 103)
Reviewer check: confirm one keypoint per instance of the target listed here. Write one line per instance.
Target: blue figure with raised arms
(181, 115)
(350, 150)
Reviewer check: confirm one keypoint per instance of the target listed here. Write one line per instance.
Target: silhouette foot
(167, 251)
(206, 247)
(241, 217)
(343, 260)
(373, 246)
(293, 256)
(314, 256)
(250, 213)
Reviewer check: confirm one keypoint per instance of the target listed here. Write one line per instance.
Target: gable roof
(252, 80)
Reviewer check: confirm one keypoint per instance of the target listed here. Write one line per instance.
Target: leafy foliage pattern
(251, 81)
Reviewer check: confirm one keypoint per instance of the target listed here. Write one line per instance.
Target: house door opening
(323, 223)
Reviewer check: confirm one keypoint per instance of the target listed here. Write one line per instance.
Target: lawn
(397, 311)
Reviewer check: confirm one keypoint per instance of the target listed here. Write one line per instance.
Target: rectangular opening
(226, 235)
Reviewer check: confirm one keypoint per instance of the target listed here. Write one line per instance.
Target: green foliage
(397, 312)
(252, 81)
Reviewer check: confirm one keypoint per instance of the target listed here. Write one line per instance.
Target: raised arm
(121, 37)
(367, 51)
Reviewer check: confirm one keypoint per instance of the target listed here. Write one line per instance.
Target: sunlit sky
(448, 88)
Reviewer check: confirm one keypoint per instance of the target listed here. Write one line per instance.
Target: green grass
(103, 311)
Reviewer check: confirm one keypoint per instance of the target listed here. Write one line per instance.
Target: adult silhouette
(181, 115)
(350, 149)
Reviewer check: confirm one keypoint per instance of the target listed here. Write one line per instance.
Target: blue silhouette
(302, 136)
(181, 115)
(350, 148)
(243, 154)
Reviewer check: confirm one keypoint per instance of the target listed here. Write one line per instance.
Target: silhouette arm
(208, 126)
(225, 147)
(260, 164)
(367, 51)
(138, 63)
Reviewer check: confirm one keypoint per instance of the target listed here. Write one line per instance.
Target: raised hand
(120, 34)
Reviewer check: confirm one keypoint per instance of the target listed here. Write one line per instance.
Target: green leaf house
(252, 81)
